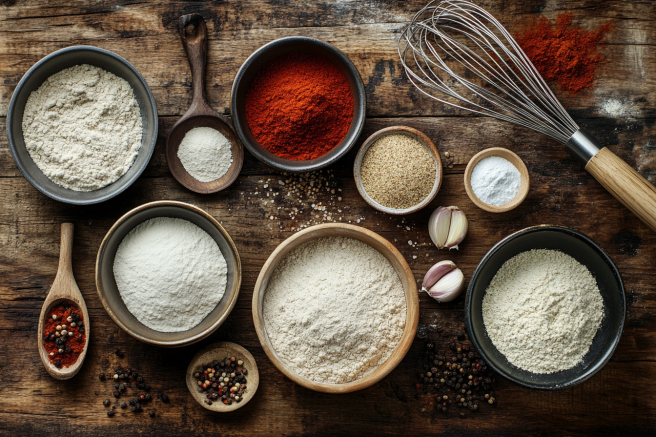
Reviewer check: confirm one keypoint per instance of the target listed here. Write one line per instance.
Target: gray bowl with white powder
(33, 80)
(584, 251)
(112, 300)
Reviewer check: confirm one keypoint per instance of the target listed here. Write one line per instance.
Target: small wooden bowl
(218, 351)
(415, 134)
(393, 256)
(514, 160)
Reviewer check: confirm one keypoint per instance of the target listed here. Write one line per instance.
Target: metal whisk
(459, 49)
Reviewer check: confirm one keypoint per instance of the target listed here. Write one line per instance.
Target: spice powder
(398, 172)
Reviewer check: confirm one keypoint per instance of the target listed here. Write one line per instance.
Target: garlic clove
(449, 287)
(457, 229)
(438, 226)
(435, 273)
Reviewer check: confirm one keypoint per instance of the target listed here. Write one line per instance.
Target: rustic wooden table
(619, 399)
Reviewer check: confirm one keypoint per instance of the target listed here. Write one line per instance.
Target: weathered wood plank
(146, 35)
(31, 403)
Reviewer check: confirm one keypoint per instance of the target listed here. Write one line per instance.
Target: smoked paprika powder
(299, 106)
(562, 52)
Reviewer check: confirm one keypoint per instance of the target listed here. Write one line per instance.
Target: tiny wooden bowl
(218, 351)
(415, 134)
(514, 160)
(200, 114)
(393, 256)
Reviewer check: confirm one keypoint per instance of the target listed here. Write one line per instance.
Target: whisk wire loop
(457, 48)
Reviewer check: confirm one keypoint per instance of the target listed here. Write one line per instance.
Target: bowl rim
(11, 133)
(412, 314)
(402, 130)
(234, 294)
(532, 229)
(322, 161)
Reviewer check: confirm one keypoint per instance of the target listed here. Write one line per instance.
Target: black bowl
(585, 251)
(32, 80)
(275, 49)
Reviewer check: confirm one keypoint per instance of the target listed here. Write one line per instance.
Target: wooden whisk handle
(625, 184)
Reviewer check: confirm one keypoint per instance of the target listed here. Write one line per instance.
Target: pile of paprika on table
(563, 53)
(64, 335)
(299, 106)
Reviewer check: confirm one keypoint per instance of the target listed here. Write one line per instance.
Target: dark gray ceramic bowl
(108, 290)
(585, 251)
(278, 48)
(32, 80)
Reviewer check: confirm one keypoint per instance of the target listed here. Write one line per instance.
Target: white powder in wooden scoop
(542, 310)
(205, 153)
(334, 310)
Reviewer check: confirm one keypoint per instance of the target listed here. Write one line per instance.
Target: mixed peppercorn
(457, 377)
(222, 381)
(64, 335)
(124, 379)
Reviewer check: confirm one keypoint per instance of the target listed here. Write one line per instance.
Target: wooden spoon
(200, 114)
(64, 289)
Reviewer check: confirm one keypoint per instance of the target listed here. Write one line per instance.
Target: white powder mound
(542, 310)
(495, 181)
(205, 153)
(82, 127)
(170, 273)
(334, 310)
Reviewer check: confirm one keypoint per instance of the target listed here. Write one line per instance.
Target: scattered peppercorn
(102, 377)
(151, 413)
(123, 404)
(110, 413)
(106, 402)
(118, 353)
(466, 374)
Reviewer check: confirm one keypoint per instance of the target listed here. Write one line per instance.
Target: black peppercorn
(102, 377)
(165, 398)
(106, 402)
(110, 413)
(151, 413)
(118, 353)
(116, 394)
(58, 363)
(123, 404)
(147, 397)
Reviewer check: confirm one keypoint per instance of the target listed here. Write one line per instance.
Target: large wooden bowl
(393, 256)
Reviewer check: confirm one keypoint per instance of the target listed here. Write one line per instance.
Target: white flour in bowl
(334, 310)
(542, 310)
(170, 273)
(82, 127)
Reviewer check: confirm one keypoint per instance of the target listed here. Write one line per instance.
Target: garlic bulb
(447, 227)
(443, 282)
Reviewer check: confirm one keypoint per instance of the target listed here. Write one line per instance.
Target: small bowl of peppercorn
(223, 377)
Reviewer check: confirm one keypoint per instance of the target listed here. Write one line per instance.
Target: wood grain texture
(616, 401)
(625, 184)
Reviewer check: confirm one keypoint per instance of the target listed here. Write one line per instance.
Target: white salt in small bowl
(514, 160)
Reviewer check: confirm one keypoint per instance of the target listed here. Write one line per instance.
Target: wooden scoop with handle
(64, 289)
